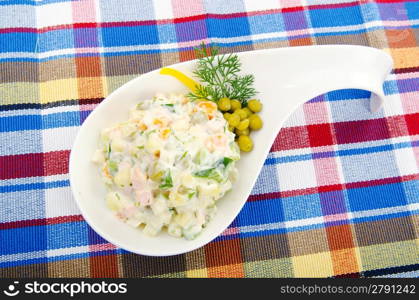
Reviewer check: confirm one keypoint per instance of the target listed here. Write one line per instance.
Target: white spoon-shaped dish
(285, 79)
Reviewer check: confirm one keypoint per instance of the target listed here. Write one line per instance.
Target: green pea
(242, 132)
(235, 104)
(224, 104)
(254, 105)
(227, 116)
(243, 124)
(245, 143)
(255, 122)
(248, 111)
(242, 113)
(234, 120)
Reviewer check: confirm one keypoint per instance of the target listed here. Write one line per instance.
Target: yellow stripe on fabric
(58, 90)
(313, 265)
(389, 255)
(19, 93)
(271, 268)
(113, 82)
(199, 273)
(405, 57)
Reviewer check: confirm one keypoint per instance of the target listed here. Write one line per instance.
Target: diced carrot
(164, 134)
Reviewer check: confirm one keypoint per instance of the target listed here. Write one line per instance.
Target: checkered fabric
(338, 195)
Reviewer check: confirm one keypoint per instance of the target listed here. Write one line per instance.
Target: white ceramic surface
(285, 78)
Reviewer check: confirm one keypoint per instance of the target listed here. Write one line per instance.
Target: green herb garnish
(226, 161)
(212, 173)
(113, 166)
(220, 78)
(184, 155)
(166, 181)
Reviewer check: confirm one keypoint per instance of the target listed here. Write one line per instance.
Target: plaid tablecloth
(338, 194)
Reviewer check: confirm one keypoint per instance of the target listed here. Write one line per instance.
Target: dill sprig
(219, 77)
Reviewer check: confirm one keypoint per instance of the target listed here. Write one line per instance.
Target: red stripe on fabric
(90, 101)
(64, 219)
(361, 131)
(34, 164)
(330, 188)
(412, 122)
(22, 165)
(56, 162)
(333, 5)
(302, 192)
(345, 132)
(406, 70)
(362, 184)
(56, 27)
(18, 29)
(392, 1)
(292, 9)
(334, 187)
(40, 222)
(291, 138)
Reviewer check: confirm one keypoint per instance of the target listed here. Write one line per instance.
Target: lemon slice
(187, 81)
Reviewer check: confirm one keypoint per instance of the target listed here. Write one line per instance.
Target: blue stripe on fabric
(281, 229)
(30, 261)
(14, 143)
(412, 10)
(384, 217)
(227, 28)
(251, 41)
(408, 85)
(272, 212)
(66, 235)
(22, 205)
(128, 36)
(24, 239)
(37, 122)
(60, 257)
(376, 197)
(302, 207)
(17, 42)
(355, 151)
(411, 190)
(266, 23)
(31, 2)
(34, 186)
(337, 16)
(55, 40)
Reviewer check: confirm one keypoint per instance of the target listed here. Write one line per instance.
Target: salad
(168, 164)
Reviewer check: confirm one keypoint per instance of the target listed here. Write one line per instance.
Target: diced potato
(150, 230)
(136, 114)
(211, 190)
(104, 135)
(192, 231)
(180, 125)
(177, 199)
(113, 201)
(159, 206)
(118, 145)
(174, 230)
(123, 177)
(128, 129)
(153, 144)
(188, 180)
(183, 219)
(98, 157)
